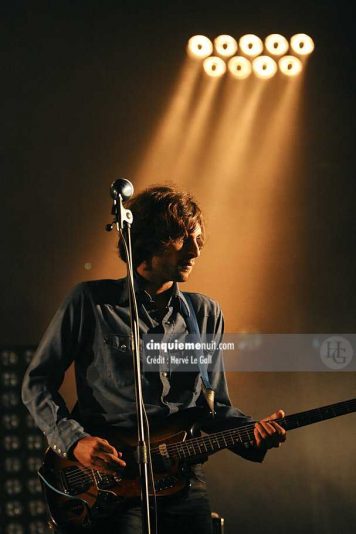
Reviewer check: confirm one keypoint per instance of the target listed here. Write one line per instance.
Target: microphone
(122, 187)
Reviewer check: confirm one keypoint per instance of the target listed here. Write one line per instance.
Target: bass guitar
(76, 495)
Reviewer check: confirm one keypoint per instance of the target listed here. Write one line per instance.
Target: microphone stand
(122, 220)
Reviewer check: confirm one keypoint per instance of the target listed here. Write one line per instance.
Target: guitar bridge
(108, 481)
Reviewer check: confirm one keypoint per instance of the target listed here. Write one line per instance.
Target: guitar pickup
(165, 483)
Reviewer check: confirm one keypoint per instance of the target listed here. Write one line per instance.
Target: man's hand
(270, 434)
(97, 453)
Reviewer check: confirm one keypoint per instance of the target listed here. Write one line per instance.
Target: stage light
(34, 442)
(34, 463)
(214, 66)
(250, 45)
(302, 44)
(11, 443)
(13, 508)
(14, 528)
(199, 47)
(12, 464)
(239, 67)
(10, 400)
(38, 527)
(276, 44)
(34, 486)
(9, 379)
(225, 45)
(18, 478)
(36, 507)
(290, 65)
(13, 486)
(264, 67)
(10, 421)
(8, 358)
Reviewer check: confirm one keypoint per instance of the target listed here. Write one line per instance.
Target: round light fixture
(214, 66)
(239, 67)
(302, 44)
(276, 44)
(264, 67)
(199, 47)
(225, 45)
(290, 65)
(251, 45)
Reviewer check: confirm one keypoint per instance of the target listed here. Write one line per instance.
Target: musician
(92, 328)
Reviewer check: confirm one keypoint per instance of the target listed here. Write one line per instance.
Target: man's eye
(189, 239)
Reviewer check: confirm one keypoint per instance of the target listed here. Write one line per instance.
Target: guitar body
(76, 495)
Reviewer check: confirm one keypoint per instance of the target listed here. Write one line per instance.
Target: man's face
(176, 262)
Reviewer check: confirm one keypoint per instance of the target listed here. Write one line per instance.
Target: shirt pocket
(118, 359)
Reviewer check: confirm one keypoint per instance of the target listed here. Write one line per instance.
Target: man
(92, 328)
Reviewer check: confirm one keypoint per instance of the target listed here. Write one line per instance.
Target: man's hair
(161, 214)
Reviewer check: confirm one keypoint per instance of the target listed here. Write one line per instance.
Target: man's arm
(44, 376)
(69, 333)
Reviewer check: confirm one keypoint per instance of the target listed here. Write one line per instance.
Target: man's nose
(193, 248)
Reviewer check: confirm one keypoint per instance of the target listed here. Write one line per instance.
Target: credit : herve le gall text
(178, 360)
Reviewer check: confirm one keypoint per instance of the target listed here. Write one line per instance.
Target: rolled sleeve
(64, 435)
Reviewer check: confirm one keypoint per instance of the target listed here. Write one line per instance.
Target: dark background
(83, 86)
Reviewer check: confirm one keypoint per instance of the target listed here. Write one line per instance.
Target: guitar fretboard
(244, 436)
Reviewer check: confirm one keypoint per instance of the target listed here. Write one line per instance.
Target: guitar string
(81, 475)
(186, 448)
(219, 438)
(228, 438)
(245, 435)
(84, 474)
(225, 439)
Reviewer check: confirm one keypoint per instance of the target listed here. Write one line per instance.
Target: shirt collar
(177, 296)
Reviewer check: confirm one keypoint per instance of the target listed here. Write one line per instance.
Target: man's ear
(145, 266)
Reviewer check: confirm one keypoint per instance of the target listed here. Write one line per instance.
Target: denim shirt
(92, 328)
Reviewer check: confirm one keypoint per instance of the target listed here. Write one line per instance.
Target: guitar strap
(193, 328)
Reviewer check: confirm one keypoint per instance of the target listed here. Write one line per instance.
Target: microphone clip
(121, 215)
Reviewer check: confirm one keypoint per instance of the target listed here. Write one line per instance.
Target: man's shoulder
(104, 290)
(203, 304)
(103, 284)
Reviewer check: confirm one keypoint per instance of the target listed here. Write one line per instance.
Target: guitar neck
(244, 436)
(316, 415)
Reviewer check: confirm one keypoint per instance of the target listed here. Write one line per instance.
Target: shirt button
(59, 450)
(54, 446)
(165, 374)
